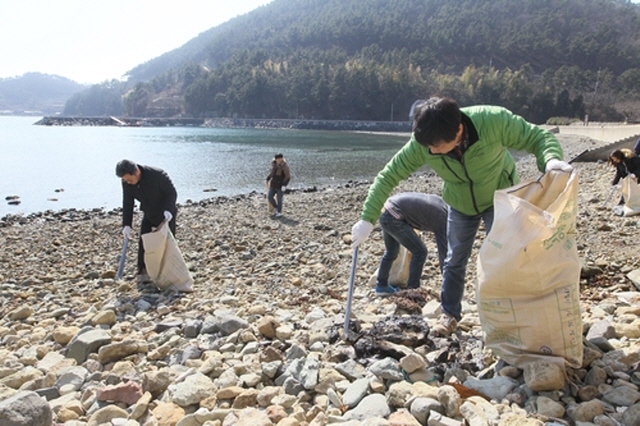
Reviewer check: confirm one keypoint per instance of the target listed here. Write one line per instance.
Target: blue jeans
(396, 232)
(461, 235)
(278, 194)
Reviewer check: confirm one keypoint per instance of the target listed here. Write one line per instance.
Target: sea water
(55, 167)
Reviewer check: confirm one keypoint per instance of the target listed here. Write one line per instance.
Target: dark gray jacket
(425, 212)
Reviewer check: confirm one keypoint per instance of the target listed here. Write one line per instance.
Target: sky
(92, 41)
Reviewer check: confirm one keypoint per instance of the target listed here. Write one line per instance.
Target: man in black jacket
(153, 188)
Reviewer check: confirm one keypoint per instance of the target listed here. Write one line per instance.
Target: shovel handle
(352, 276)
(604, 203)
(123, 257)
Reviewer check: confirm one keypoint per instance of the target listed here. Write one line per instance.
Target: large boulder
(25, 408)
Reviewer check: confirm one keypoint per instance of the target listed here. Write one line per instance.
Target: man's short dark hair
(126, 167)
(436, 120)
(278, 156)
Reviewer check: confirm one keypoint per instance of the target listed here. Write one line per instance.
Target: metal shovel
(352, 277)
(604, 203)
(123, 257)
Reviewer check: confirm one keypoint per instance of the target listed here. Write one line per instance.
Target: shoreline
(64, 213)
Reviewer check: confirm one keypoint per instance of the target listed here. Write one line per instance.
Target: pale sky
(91, 41)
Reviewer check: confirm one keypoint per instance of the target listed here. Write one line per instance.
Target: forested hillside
(353, 59)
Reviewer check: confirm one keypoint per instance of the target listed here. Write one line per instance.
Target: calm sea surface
(55, 168)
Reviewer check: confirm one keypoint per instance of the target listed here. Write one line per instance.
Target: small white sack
(164, 261)
(631, 194)
(529, 273)
(399, 272)
(270, 207)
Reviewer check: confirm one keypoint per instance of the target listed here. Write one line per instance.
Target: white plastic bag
(631, 194)
(270, 207)
(399, 272)
(529, 273)
(164, 261)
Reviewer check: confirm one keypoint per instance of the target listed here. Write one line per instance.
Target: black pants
(146, 227)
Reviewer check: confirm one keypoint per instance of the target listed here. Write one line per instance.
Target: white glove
(559, 165)
(167, 215)
(284, 188)
(126, 231)
(360, 232)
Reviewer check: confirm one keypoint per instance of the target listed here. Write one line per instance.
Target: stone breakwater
(345, 125)
(232, 123)
(260, 342)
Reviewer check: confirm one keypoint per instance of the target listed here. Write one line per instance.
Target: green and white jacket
(485, 166)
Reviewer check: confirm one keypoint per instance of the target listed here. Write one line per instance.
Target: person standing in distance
(402, 214)
(278, 179)
(153, 188)
(467, 148)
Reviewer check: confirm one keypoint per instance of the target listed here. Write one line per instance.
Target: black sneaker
(143, 278)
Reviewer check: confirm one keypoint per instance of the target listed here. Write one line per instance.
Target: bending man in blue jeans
(403, 213)
(467, 148)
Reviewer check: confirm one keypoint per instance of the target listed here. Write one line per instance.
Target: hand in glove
(126, 231)
(284, 188)
(167, 215)
(559, 165)
(360, 232)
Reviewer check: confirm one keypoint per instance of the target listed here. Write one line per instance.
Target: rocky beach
(260, 340)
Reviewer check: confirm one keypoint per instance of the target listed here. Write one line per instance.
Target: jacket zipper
(464, 168)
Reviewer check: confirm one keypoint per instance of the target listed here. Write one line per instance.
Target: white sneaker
(278, 214)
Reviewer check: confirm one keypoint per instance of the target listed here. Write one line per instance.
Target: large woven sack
(529, 273)
(631, 194)
(164, 262)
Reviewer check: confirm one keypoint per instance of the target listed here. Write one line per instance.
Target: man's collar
(470, 130)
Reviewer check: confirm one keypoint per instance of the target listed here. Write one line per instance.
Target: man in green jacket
(467, 148)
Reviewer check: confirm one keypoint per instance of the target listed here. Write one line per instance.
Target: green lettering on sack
(494, 243)
(557, 236)
(500, 336)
